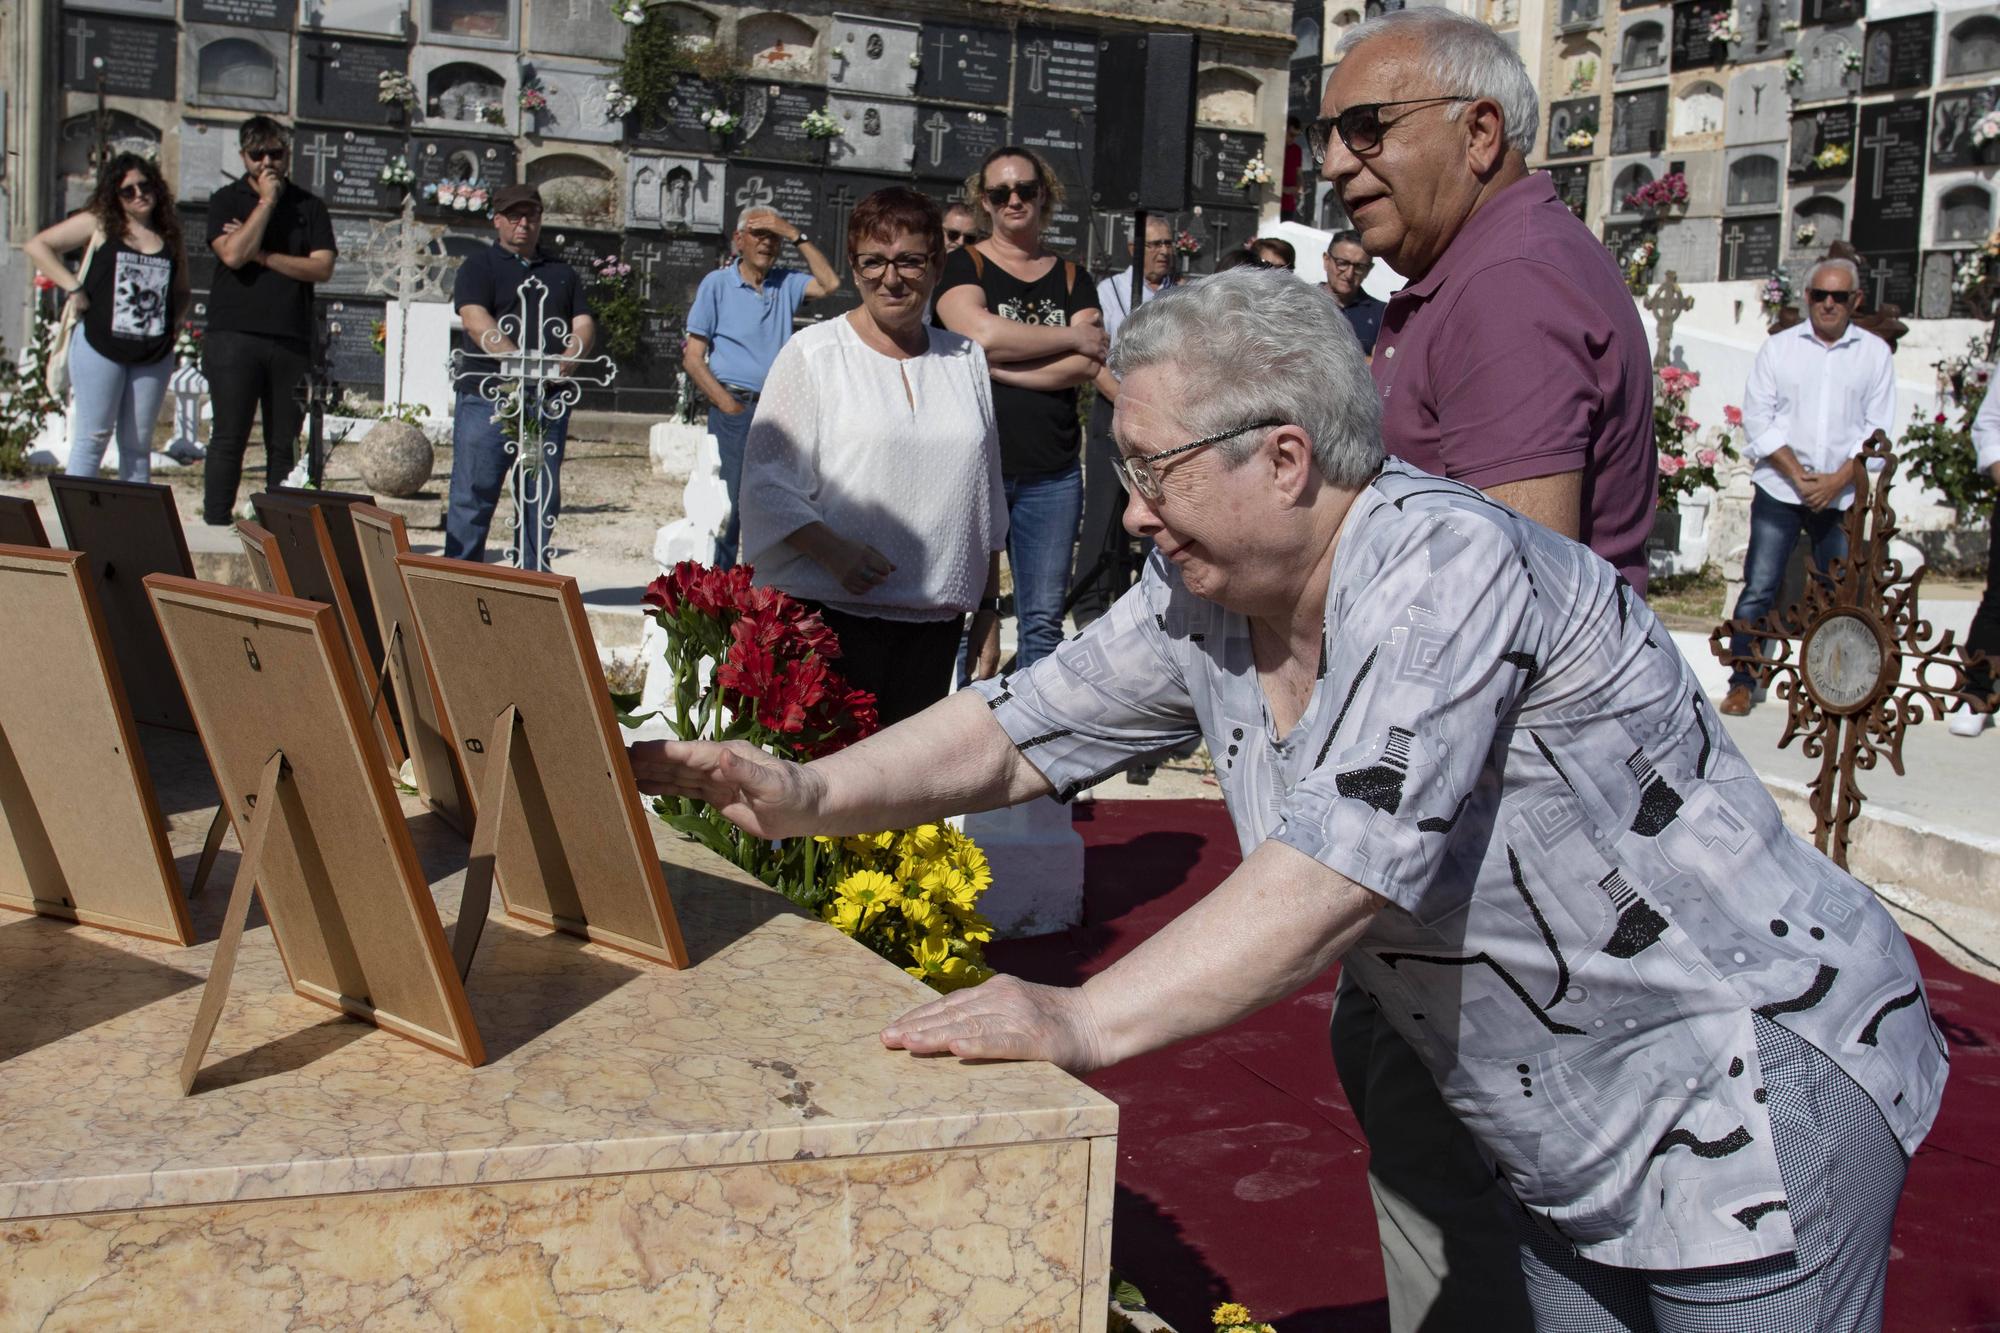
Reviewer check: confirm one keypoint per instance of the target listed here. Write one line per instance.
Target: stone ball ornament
(396, 459)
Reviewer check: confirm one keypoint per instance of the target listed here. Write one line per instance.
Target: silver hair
(1254, 343)
(1469, 60)
(1842, 262)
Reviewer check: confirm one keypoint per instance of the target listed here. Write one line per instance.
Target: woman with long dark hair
(128, 294)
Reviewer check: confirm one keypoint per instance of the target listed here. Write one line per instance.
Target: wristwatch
(802, 239)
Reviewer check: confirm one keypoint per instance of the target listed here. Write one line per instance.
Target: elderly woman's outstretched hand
(769, 797)
(1005, 1019)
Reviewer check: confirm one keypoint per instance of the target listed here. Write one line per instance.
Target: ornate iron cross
(1855, 660)
(522, 370)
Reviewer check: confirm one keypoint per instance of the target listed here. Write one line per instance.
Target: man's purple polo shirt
(1520, 354)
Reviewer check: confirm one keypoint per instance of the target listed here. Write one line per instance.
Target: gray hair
(1254, 343)
(1841, 262)
(1469, 60)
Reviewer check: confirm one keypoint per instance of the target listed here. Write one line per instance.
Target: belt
(743, 394)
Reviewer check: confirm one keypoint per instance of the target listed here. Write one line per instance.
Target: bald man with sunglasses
(1513, 361)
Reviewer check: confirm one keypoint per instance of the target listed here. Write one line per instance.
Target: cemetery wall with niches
(511, 90)
(1793, 123)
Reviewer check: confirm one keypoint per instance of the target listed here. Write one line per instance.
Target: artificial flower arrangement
(1669, 191)
(1832, 157)
(819, 124)
(1850, 61)
(1723, 28)
(1988, 128)
(618, 103)
(395, 88)
(1775, 295)
(1805, 234)
(1795, 70)
(1686, 463)
(1185, 243)
(493, 114)
(378, 338)
(1235, 1317)
(533, 100)
(1638, 261)
(187, 344)
(396, 171)
(752, 664)
(1254, 173)
(1577, 140)
(718, 121)
(630, 11)
(460, 196)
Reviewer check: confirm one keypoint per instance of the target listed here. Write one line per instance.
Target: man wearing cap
(488, 289)
(740, 320)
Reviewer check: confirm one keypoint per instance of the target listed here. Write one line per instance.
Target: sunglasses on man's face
(265, 154)
(1361, 127)
(1029, 191)
(1819, 294)
(135, 192)
(957, 237)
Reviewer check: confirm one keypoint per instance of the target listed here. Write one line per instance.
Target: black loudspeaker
(1145, 122)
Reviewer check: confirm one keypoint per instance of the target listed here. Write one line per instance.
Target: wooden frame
(334, 507)
(21, 522)
(128, 531)
(267, 562)
(312, 564)
(283, 722)
(433, 758)
(81, 835)
(557, 811)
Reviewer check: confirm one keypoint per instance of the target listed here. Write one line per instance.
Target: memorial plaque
(1833, 11)
(1826, 60)
(1689, 247)
(467, 90)
(1056, 68)
(1889, 278)
(1937, 287)
(793, 193)
(340, 78)
(350, 240)
(872, 55)
(1217, 162)
(1813, 134)
(878, 136)
(577, 191)
(669, 268)
(964, 63)
(674, 193)
(202, 262)
(951, 143)
(578, 248)
(146, 9)
(773, 127)
(1750, 247)
(1824, 207)
(351, 356)
(453, 166)
(380, 18)
(1639, 121)
(1889, 177)
(344, 167)
(649, 383)
(1757, 106)
(209, 160)
(1896, 53)
(1952, 120)
(242, 13)
(1692, 47)
(1573, 188)
(577, 108)
(1067, 141)
(1220, 231)
(577, 28)
(491, 23)
(1762, 25)
(138, 57)
(840, 191)
(1568, 116)
(677, 126)
(242, 68)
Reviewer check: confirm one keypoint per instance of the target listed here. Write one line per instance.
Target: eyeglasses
(1135, 471)
(1361, 127)
(1029, 191)
(1164, 243)
(1350, 265)
(873, 267)
(140, 191)
(265, 154)
(958, 237)
(1818, 294)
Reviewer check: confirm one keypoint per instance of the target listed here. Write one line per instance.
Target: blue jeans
(480, 463)
(1043, 510)
(730, 432)
(112, 396)
(1774, 531)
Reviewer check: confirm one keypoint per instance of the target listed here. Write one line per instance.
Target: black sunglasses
(1818, 294)
(1028, 190)
(958, 237)
(265, 154)
(135, 192)
(1361, 127)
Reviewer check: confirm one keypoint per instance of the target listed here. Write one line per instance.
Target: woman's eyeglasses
(1029, 192)
(872, 267)
(1361, 127)
(135, 192)
(1136, 470)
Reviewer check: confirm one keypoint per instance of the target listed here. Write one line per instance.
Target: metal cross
(80, 29)
(1037, 55)
(1864, 664)
(531, 384)
(1882, 142)
(937, 127)
(1667, 304)
(321, 152)
(1732, 242)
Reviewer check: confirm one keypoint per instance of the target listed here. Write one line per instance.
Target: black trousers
(249, 373)
(905, 664)
(1108, 558)
(1984, 634)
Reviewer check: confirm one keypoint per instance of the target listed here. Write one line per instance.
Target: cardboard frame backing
(21, 522)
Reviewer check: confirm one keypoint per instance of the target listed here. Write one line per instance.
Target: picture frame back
(347, 902)
(267, 562)
(574, 850)
(81, 835)
(129, 530)
(334, 507)
(382, 537)
(21, 522)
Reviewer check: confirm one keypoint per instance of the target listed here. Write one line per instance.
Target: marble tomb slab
(139, 57)
(469, 92)
(382, 18)
(963, 63)
(875, 135)
(245, 69)
(872, 55)
(494, 24)
(209, 160)
(145, 9)
(576, 28)
(577, 108)
(274, 14)
(340, 78)
(673, 193)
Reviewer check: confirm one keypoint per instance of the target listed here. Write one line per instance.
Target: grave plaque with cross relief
(1217, 162)
(344, 167)
(1639, 121)
(1573, 188)
(964, 63)
(1690, 247)
(140, 58)
(1889, 176)
(1889, 277)
(673, 193)
(1750, 246)
(208, 158)
(242, 68)
(243, 13)
(1693, 48)
(669, 268)
(840, 191)
(773, 128)
(351, 358)
(340, 78)
(876, 135)
(676, 127)
(351, 234)
(1896, 53)
(1055, 69)
(872, 55)
(1220, 231)
(1952, 120)
(1816, 131)
(951, 143)
(791, 191)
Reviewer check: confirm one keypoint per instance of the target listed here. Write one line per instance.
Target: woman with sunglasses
(871, 477)
(128, 296)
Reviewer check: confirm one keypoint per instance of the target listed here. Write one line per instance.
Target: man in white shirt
(1984, 634)
(1104, 563)
(1817, 391)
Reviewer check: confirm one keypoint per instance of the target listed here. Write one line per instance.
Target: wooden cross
(1667, 304)
(1854, 659)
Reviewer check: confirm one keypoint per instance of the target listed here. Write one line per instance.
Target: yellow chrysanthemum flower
(1230, 1313)
(860, 897)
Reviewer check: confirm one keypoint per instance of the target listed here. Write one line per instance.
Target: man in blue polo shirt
(741, 317)
(486, 291)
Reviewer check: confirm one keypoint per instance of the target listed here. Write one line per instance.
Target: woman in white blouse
(871, 479)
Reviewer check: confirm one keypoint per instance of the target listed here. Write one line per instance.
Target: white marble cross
(321, 151)
(1882, 142)
(1732, 241)
(937, 127)
(1037, 55)
(80, 29)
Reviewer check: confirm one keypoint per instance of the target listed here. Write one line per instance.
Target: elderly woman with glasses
(1466, 763)
(871, 477)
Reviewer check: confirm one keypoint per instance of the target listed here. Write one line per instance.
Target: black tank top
(131, 303)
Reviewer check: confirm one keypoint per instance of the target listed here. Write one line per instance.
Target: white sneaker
(1965, 722)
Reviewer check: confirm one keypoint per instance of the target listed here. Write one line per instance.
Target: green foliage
(656, 55)
(619, 308)
(1938, 451)
(25, 401)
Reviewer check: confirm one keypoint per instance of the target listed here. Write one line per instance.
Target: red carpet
(1242, 1173)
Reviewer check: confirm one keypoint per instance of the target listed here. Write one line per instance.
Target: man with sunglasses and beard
(1513, 361)
(275, 241)
(1817, 391)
